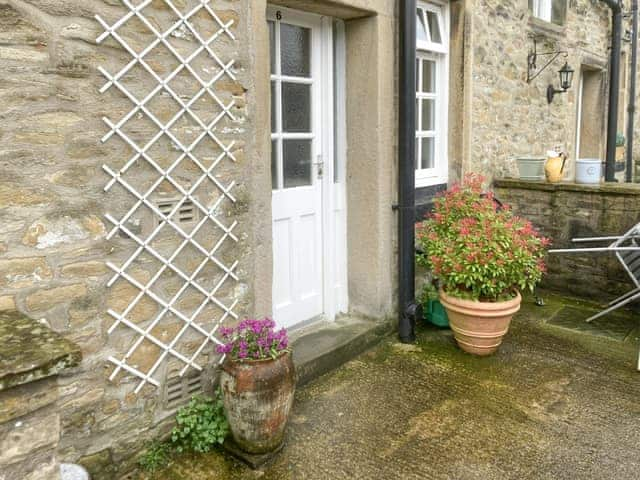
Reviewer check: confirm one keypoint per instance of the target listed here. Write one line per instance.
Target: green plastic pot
(436, 314)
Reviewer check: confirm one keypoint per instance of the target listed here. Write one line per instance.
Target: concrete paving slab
(551, 405)
(616, 326)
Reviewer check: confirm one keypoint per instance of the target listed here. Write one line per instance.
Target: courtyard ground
(560, 400)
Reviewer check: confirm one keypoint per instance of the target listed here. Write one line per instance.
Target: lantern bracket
(532, 59)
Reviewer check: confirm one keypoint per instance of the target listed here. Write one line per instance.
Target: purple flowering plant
(253, 339)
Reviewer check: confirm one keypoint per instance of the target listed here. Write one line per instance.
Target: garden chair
(627, 249)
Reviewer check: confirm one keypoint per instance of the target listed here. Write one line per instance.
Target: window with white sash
(432, 57)
(552, 11)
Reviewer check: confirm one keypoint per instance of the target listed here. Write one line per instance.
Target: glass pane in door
(296, 107)
(272, 45)
(296, 163)
(295, 50)
(274, 164)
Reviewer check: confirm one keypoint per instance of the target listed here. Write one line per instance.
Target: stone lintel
(31, 351)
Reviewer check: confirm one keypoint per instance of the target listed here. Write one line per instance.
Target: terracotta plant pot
(479, 327)
(257, 399)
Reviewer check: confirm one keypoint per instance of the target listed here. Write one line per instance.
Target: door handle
(320, 166)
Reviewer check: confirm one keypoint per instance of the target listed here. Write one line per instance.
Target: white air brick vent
(179, 390)
(186, 212)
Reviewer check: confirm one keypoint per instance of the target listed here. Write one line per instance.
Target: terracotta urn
(257, 399)
(479, 327)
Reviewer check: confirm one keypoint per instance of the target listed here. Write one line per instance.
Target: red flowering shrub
(476, 250)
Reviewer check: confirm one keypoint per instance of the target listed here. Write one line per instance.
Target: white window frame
(438, 52)
(543, 9)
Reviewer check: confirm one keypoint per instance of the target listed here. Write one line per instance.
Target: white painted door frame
(330, 185)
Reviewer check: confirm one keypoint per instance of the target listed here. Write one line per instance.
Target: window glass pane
(296, 163)
(428, 155)
(295, 50)
(272, 45)
(417, 157)
(428, 76)
(274, 111)
(558, 11)
(417, 74)
(418, 115)
(428, 114)
(421, 31)
(296, 107)
(274, 164)
(542, 9)
(434, 27)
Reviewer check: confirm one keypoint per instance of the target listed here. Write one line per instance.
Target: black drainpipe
(631, 109)
(614, 86)
(406, 173)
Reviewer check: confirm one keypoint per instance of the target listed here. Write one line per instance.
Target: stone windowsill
(608, 188)
(31, 351)
(547, 29)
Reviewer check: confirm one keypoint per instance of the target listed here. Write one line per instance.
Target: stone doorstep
(323, 346)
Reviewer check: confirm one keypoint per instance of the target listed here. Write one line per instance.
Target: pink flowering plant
(253, 339)
(477, 250)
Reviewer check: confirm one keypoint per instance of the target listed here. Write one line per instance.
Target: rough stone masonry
(54, 248)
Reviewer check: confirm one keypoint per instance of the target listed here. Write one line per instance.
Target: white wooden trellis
(141, 199)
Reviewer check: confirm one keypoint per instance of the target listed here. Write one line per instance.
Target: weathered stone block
(45, 299)
(578, 211)
(91, 268)
(122, 294)
(23, 272)
(14, 194)
(7, 303)
(18, 440)
(23, 399)
(47, 233)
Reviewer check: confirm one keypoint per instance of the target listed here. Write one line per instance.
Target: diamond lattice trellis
(166, 170)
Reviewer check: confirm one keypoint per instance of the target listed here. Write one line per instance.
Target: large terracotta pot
(479, 327)
(257, 399)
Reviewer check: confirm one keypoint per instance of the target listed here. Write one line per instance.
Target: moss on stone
(31, 351)
(535, 409)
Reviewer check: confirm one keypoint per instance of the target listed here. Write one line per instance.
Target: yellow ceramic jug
(554, 166)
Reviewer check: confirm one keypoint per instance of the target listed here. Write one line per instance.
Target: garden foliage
(478, 249)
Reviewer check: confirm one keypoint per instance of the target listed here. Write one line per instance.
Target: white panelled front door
(302, 166)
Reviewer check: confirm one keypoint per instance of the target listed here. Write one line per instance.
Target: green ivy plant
(620, 139)
(156, 456)
(200, 425)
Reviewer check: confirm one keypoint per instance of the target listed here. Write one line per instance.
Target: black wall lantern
(566, 78)
(566, 72)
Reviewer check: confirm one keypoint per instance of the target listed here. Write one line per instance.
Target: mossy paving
(549, 405)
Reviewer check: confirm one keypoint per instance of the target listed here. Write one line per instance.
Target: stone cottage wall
(53, 233)
(566, 211)
(509, 117)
